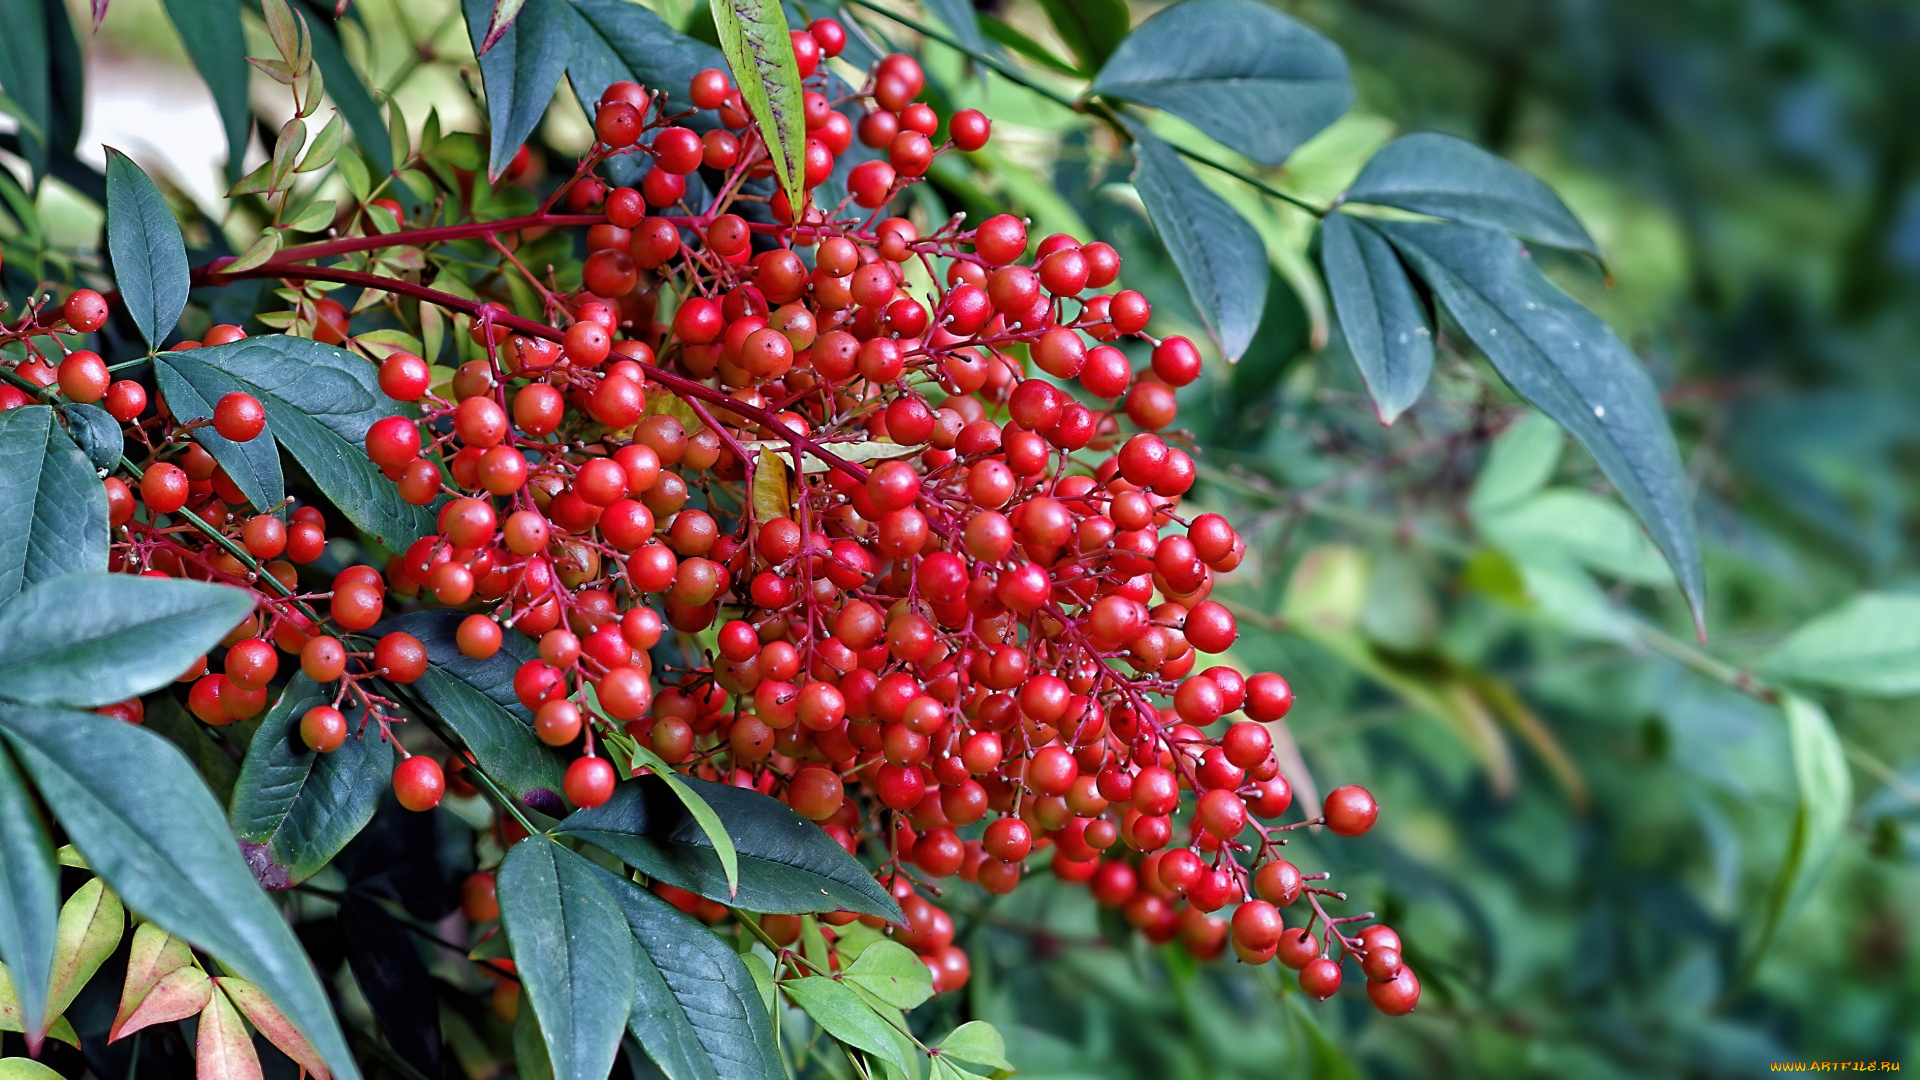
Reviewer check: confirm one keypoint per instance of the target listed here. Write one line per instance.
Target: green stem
(1097, 109)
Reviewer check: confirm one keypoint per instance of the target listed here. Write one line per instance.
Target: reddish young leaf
(155, 954)
(224, 1051)
(177, 996)
(269, 1021)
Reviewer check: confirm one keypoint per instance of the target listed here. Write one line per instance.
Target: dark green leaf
(846, 1016)
(53, 509)
(190, 391)
(1258, 80)
(1218, 254)
(149, 256)
(96, 433)
(959, 16)
(1387, 328)
(320, 401)
(573, 953)
(212, 32)
(29, 897)
(1093, 29)
(292, 809)
(698, 1012)
(1446, 177)
(787, 864)
(476, 699)
(1563, 359)
(26, 76)
(754, 37)
(94, 639)
(499, 21)
(146, 824)
(520, 72)
(1014, 39)
(614, 40)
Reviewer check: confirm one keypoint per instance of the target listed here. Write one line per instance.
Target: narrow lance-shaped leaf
(476, 699)
(1825, 803)
(697, 1009)
(215, 40)
(1869, 645)
(573, 953)
(756, 41)
(1218, 254)
(103, 778)
(294, 809)
(521, 62)
(53, 509)
(320, 401)
(1093, 29)
(961, 17)
(787, 863)
(268, 1020)
(149, 255)
(1256, 79)
(1448, 177)
(1386, 326)
(180, 993)
(29, 900)
(1565, 360)
(222, 1050)
(846, 1017)
(154, 955)
(94, 639)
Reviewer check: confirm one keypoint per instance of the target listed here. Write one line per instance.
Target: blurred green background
(1590, 819)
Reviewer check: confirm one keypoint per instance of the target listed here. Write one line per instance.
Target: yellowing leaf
(25, 1069)
(91, 924)
(269, 1021)
(176, 997)
(856, 452)
(10, 1013)
(224, 1051)
(770, 496)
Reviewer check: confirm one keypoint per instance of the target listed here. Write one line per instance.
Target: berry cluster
(907, 499)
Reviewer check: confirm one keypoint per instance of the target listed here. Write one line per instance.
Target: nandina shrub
(689, 534)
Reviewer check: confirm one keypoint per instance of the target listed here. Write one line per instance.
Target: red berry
(1350, 810)
(589, 782)
(418, 783)
(239, 417)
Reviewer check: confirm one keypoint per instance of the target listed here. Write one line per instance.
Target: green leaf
(1447, 177)
(94, 639)
(1218, 254)
(325, 146)
(151, 959)
(573, 954)
(1520, 463)
(1093, 29)
(190, 392)
(1387, 328)
(10, 1014)
(320, 401)
(217, 43)
(698, 1012)
(891, 972)
(29, 899)
(26, 1069)
(476, 699)
(350, 96)
(754, 37)
(1568, 363)
(53, 509)
(1014, 39)
(269, 1021)
(149, 255)
(96, 433)
(704, 816)
(846, 1016)
(519, 70)
(1567, 523)
(1257, 80)
(316, 217)
(1820, 818)
(960, 17)
(614, 40)
(787, 863)
(293, 809)
(1869, 645)
(92, 922)
(104, 780)
(26, 74)
(977, 1042)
